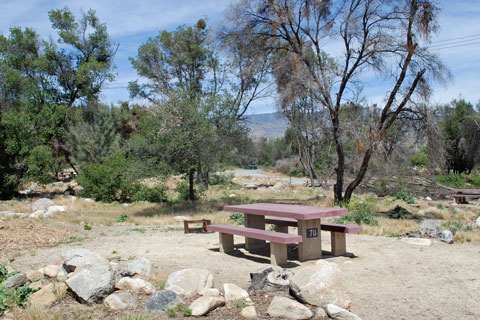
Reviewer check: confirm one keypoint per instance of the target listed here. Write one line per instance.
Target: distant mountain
(268, 125)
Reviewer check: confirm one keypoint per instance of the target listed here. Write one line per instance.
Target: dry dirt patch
(21, 234)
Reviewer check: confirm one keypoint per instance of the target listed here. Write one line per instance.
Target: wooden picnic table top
(294, 211)
(466, 191)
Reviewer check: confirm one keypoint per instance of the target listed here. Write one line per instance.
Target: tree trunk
(340, 169)
(191, 190)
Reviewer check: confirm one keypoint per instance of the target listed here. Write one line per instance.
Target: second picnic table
(308, 217)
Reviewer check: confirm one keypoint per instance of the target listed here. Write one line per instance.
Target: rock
(250, 186)
(232, 195)
(282, 307)
(477, 222)
(89, 200)
(234, 293)
(270, 280)
(180, 218)
(62, 274)
(36, 285)
(135, 285)
(417, 241)
(320, 314)
(140, 266)
(453, 230)
(33, 274)
(51, 271)
(213, 292)
(56, 209)
(42, 204)
(205, 304)
(163, 300)
(79, 257)
(446, 236)
(430, 228)
(319, 285)
(39, 214)
(190, 281)
(10, 214)
(338, 313)
(48, 295)
(92, 283)
(15, 281)
(428, 199)
(120, 300)
(249, 312)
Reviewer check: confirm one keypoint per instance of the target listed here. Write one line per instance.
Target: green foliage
(360, 211)
(242, 303)
(42, 166)
(155, 194)
(399, 213)
(12, 297)
(461, 181)
(420, 158)
(122, 218)
(405, 196)
(459, 225)
(187, 312)
(184, 191)
(106, 181)
(86, 226)
(238, 218)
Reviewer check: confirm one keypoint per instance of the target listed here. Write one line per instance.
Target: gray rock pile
(431, 229)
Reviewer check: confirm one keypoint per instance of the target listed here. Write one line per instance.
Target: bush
(144, 193)
(183, 190)
(462, 180)
(420, 158)
(399, 213)
(359, 212)
(41, 165)
(221, 179)
(12, 297)
(238, 218)
(405, 196)
(106, 181)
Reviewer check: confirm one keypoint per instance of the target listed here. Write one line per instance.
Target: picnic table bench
(337, 236)
(278, 240)
(461, 195)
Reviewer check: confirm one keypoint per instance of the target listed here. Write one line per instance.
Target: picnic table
(307, 220)
(461, 195)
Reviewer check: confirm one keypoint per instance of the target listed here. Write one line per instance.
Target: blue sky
(131, 23)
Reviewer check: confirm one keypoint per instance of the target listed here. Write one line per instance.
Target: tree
(379, 36)
(462, 136)
(195, 100)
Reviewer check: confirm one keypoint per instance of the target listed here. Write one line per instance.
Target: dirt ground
(386, 278)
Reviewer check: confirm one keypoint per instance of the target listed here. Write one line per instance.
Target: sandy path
(388, 279)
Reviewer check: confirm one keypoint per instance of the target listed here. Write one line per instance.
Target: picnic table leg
(278, 253)
(339, 244)
(311, 247)
(226, 242)
(257, 222)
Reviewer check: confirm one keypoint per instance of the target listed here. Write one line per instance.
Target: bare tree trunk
(191, 190)
(340, 169)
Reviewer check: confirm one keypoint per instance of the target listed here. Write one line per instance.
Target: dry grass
(34, 313)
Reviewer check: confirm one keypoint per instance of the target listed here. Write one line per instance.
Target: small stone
(120, 300)
(282, 307)
(163, 300)
(38, 214)
(55, 209)
(51, 271)
(135, 285)
(189, 281)
(180, 218)
(430, 228)
(62, 274)
(48, 294)
(89, 200)
(249, 312)
(15, 281)
(141, 266)
(338, 313)
(33, 274)
(428, 199)
(446, 236)
(320, 314)
(417, 241)
(477, 222)
(36, 285)
(234, 293)
(205, 304)
(213, 292)
(42, 204)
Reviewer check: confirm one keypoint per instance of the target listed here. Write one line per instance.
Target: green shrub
(41, 165)
(405, 196)
(238, 218)
(420, 158)
(183, 189)
(106, 181)
(12, 297)
(187, 312)
(461, 181)
(359, 212)
(221, 179)
(399, 213)
(122, 218)
(155, 194)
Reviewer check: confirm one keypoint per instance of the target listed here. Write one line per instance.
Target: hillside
(268, 125)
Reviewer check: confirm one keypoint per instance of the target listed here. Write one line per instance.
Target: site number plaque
(312, 233)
